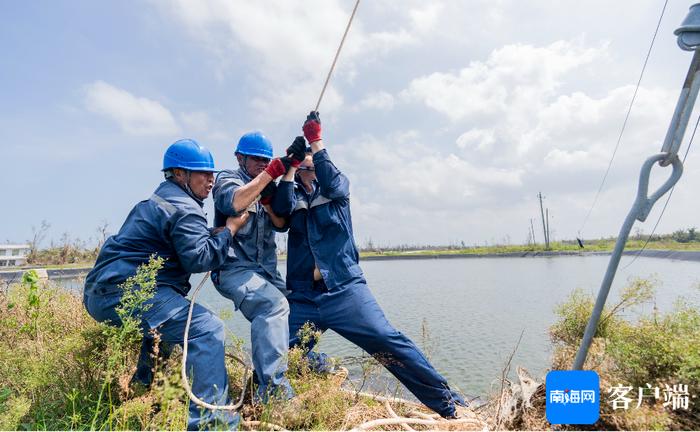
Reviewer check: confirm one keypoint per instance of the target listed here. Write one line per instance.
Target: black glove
(314, 115)
(298, 149)
(267, 193)
(290, 162)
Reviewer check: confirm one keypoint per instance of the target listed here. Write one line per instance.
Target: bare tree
(38, 235)
(65, 248)
(102, 233)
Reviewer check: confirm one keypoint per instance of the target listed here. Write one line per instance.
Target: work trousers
(205, 358)
(264, 305)
(353, 312)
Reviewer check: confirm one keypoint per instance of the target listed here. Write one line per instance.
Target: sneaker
(320, 363)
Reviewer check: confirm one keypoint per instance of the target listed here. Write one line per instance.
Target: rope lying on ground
(392, 413)
(425, 419)
(384, 422)
(266, 425)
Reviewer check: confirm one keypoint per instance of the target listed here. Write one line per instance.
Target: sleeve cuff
(321, 156)
(226, 235)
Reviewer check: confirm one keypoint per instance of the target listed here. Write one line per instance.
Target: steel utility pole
(544, 224)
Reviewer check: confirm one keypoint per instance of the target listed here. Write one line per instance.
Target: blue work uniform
(320, 234)
(172, 225)
(250, 278)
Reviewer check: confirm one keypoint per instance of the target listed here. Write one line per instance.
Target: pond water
(468, 313)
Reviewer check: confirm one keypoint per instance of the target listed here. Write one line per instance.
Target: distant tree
(685, 236)
(38, 235)
(102, 233)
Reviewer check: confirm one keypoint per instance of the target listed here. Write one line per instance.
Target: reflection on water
(467, 314)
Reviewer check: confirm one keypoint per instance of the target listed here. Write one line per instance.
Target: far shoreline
(78, 270)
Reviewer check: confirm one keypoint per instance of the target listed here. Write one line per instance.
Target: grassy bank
(652, 351)
(61, 370)
(602, 245)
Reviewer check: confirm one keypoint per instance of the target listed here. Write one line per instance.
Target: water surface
(468, 313)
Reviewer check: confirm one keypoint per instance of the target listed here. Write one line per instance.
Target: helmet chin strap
(244, 164)
(187, 187)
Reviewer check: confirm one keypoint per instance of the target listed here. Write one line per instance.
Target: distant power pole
(546, 211)
(544, 223)
(532, 227)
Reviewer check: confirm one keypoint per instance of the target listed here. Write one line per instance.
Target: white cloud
(514, 74)
(425, 17)
(380, 100)
(135, 115)
(197, 121)
(518, 133)
(577, 124)
(419, 175)
(476, 139)
(563, 159)
(289, 46)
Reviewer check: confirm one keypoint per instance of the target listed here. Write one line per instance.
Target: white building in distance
(13, 255)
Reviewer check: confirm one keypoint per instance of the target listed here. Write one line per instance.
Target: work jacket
(320, 228)
(170, 224)
(253, 247)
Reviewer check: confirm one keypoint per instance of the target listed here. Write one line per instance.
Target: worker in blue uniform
(250, 277)
(172, 225)
(326, 284)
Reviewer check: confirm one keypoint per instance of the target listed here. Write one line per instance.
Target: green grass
(658, 349)
(590, 246)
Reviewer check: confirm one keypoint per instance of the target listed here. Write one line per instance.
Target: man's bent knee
(266, 301)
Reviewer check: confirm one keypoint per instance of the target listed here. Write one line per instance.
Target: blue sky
(448, 116)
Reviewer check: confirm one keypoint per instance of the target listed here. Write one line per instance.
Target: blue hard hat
(255, 144)
(189, 155)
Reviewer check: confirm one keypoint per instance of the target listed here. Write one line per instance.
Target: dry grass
(53, 361)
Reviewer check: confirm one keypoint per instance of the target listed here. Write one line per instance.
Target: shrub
(657, 349)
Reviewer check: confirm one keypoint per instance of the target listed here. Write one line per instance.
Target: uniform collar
(244, 174)
(314, 186)
(191, 195)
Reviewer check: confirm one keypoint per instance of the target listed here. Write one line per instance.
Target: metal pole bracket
(689, 31)
(644, 203)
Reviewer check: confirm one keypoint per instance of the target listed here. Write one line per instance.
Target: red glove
(312, 127)
(276, 168)
(280, 166)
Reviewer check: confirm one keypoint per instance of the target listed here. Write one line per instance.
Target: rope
(624, 123)
(425, 419)
(639, 252)
(393, 414)
(393, 421)
(185, 381)
(258, 424)
(337, 53)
